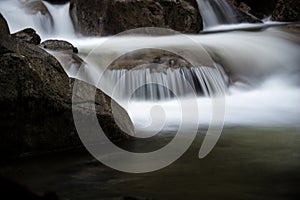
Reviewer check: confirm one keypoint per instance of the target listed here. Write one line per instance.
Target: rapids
(265, 63)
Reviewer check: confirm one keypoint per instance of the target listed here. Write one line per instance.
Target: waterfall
(266, 61)
(216, 12)
(142, 84)
(49, 21)
(63, 25)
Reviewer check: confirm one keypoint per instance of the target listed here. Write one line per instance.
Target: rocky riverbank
(106, 17)
(109, 17)
(277, 10)
(36, 99)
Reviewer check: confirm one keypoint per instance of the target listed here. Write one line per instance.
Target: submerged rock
(36, 103)
(108, 17)
(27, 35)
(287, 11)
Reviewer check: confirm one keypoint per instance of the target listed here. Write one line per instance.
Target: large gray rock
(109, 17)
(36, 103)
(287, 11)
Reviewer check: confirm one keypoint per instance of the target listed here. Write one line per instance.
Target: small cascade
(31, 14)
(63, 25)
(45, 22)
(143, 84)
(216, 12)
(47, 19)
(213, 81)
(267, 60)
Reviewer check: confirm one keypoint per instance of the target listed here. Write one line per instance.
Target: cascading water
(257, 156)
(266, 62)
(62, 28)
(48, 20)
(145, 85)
(216, 12)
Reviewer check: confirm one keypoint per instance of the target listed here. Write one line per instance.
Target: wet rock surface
(27, 35)
(58, 45)
(4, 30)
(287, 11)
(261, 9)
(245, 17)
(277, 10)
(95, 17)
(155, 60)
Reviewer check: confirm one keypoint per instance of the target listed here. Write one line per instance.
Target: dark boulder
(36, 103)
(243, 16)
(4, 33)
(35, 113)
(109, 17)
(4, 29)
(27, 35)
(287, 11)
(258, 8)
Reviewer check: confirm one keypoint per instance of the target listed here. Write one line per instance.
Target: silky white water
(216, 12)
(266, 63)
(55, 23)
(62, 28)
(266, 106)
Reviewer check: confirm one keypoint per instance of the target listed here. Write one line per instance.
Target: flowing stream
(255, 68)
(216, 12)
(265, 63)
